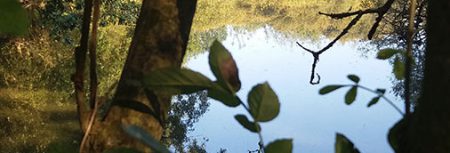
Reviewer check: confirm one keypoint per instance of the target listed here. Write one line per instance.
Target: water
(310, 119)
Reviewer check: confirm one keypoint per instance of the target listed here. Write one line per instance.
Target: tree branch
(80, 63)
(93, 74)
(380, 11)
(316, 54)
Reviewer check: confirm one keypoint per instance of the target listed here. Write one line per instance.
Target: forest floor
(37, 121)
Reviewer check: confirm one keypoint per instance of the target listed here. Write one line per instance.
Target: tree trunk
(429, 130)
(159, 41)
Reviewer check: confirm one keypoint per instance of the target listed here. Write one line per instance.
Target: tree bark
(160, 39)
(429, 128)
(80, 62)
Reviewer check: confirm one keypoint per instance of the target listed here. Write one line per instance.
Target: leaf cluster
(351, 94)
(262, 103)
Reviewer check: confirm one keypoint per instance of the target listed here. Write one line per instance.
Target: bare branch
(348, 14)
(380, 11)
(316, 54)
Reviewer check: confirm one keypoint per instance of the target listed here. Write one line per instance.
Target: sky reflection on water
(310, 119)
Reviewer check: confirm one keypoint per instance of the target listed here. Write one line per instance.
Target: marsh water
(310, 119)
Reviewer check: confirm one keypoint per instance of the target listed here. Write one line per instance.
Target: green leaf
(351, 95)
(387, 53)
(224, 67)
(176, 81)
(353, 77)
(279, 146)
(134, 105)
(344, 145)
(217, 92)
(397, 133)
(399, 69)
(373, 101)
(263, 103)
(143, 136)
(381, 91)
(13, 18)
(329, 88)
(121, 150)
(246, 123)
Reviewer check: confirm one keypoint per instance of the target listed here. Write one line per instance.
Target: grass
(37, 121)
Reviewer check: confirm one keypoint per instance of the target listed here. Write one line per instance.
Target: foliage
(185, 111)
(351, 94)
(394, 36)
(35, 63)
(286, 16)
(119, 12)
(279, 146)
(13, 17)
(112, 48)
(344, 145)
(194, 147)
(399, 66)
(63, 16)
(262, 105)
(200, 41)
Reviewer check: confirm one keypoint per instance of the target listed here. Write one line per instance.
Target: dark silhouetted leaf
(350, 96)
(13, 18)
(396, 133)
(143, 136)
(176, 81)
(344, 145)
(381, 91)
(354, 78)
(224, 67)
(134, 105)
(217, 92)
(387, 53)
(279, 146)
(328, 89)
(246, 123)
(263, 103)
(399, 69)
(373, 101)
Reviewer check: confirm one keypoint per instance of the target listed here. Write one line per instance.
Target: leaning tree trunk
(429, 130)
(159, 41)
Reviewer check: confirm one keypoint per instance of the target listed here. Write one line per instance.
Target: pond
(36, 88)
(310, 119)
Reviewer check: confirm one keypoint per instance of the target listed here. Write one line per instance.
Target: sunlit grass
(37, 121)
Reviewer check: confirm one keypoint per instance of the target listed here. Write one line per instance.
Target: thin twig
(261, 142)
(382, 96)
